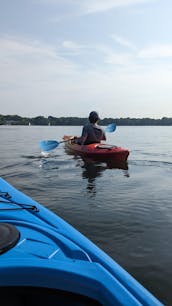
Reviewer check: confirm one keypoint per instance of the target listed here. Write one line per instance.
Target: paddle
(48, 145)
(111, 128)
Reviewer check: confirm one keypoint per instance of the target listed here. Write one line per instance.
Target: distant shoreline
(76, 121)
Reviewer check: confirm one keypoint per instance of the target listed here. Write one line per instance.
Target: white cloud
(90, 6)
(17, 47)
(71, 45)
(40, 80)
(120, 59)
(31, 57)
(106, 53)
(156, 51)
(72, 48)
(123, 42)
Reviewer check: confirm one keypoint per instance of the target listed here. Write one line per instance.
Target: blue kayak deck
(52, 254)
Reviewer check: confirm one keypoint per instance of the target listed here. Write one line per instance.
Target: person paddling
(92, 132)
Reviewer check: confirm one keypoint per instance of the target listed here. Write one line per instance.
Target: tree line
(76, 121)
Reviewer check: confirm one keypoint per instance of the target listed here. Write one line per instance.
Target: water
(126, 212)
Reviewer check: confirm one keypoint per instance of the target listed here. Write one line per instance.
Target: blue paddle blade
(111, 128)
(48, 145)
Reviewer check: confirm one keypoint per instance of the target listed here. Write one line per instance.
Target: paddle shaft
(66, 140)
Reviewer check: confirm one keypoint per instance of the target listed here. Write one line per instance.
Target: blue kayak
(45, 261)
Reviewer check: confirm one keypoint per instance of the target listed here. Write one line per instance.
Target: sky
(69, 57)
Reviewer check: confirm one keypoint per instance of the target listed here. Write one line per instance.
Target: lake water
(126, 212)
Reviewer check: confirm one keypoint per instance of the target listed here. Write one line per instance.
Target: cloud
(123, 42)
(82, 7)
(103, 52)
(100, 52)
(71, 45)
(90, 6)
(32, 57)
(39, 78)
(16, 47)
(156, 51)
(119, 59)
(72, 48)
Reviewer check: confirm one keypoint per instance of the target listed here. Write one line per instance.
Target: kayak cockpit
(33, 296)
(105, 147)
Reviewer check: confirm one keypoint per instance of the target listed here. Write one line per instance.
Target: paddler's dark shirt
(92, 134)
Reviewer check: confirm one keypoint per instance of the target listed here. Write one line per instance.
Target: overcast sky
(68, 57)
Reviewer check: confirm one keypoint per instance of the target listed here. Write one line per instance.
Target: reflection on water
(92, 170)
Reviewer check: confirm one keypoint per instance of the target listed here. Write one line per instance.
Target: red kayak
(96, 151)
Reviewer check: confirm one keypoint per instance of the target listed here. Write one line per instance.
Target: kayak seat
(9, 236)
(107, 147)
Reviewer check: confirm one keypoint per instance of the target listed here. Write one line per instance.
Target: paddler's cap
(93, 117)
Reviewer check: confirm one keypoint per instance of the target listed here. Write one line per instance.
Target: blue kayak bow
(48, 145)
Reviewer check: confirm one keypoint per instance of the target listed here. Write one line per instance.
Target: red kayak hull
(96, 151)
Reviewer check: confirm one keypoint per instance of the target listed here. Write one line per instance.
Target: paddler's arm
(84, 136)
(103, 135)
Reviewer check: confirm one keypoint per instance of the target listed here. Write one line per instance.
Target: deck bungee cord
(7, 199)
